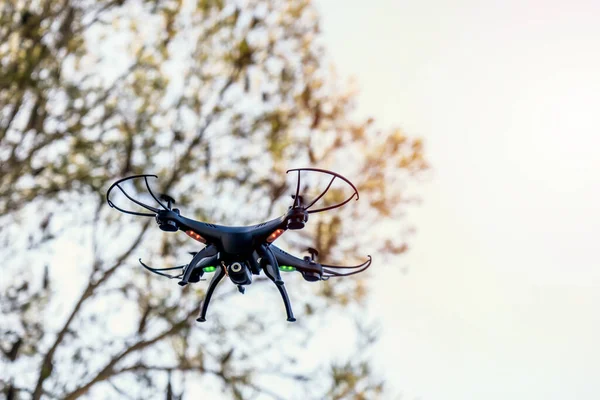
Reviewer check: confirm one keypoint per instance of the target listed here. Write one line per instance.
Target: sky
(502, 292)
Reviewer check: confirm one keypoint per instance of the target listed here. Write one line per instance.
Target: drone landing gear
(241, 289)
(205, 257)
(286, 302)
(271, 268)
(219, 274)
(269, 265)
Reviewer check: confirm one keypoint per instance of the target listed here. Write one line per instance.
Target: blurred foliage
(213, 97)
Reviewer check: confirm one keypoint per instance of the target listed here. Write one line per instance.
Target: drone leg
(219, 274)
(270, 265)
(201, 259)
(286, 302)
(254, 265)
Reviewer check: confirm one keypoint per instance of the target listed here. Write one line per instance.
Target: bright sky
(502, 296)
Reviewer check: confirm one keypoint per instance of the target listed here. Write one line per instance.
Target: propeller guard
(297, 223)
(155, 211)
(332, 270)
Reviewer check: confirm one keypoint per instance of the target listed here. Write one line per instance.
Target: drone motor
(168, 226)
(297, 219)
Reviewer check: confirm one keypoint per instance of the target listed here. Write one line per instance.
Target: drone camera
(235, 267)
(240, 274)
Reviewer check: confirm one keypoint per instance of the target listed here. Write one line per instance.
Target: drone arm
(209, 232)
(270, 230)
(315, 271)
(310, 270)
(219, 274)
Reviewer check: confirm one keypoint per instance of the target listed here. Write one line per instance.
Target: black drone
(242, 251)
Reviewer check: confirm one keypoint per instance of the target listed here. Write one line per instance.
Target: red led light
(195, 236)
(275, 235)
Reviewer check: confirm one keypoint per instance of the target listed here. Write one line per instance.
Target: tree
(216, 99)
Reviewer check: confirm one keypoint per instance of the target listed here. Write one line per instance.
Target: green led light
(209, 269)
(286, 268)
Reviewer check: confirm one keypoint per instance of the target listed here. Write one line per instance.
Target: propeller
(168, 226)
(314, 253)
(168, 199)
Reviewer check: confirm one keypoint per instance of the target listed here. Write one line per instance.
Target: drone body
(240, 252)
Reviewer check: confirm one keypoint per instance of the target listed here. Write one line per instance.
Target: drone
(239, 252)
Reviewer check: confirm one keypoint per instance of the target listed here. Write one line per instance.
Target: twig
(109, 369)
(46, 367)
(118, 390)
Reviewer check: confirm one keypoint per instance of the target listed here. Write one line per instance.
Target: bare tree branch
(109, 369)
(47, 363)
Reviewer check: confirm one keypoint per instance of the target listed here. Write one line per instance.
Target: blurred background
(502, 292)
(468, 127)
